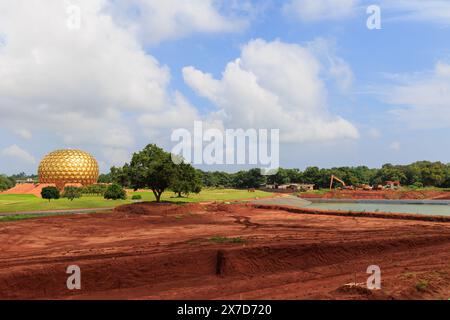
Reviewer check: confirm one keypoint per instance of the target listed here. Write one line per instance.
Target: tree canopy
(153, 168)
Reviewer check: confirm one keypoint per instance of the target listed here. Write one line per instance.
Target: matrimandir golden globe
(63, 167)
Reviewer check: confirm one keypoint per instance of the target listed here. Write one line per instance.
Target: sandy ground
(147, 251)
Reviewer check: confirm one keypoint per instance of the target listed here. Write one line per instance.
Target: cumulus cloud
(156, 20)
(273, 85)
(317, 10)
(87, 85)
(423, 99)
(335, 67)
(180, 114)
(19, 154)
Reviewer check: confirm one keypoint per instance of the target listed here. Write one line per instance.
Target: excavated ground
(382, 195)
(219, 251)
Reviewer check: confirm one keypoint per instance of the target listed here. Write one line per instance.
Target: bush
(95, 189)
(50, 193)
(72, 193)
(136, 197)
(417, 185)
(115, 192)
(6, 183)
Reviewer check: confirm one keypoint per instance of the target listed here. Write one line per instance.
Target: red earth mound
(27, 188)
(381, 194)
(218, 251)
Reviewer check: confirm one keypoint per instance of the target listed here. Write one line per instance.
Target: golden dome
(68, 166)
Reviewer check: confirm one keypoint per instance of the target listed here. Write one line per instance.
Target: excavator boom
(333, 177)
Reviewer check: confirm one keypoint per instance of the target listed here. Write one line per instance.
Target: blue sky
(123, 80)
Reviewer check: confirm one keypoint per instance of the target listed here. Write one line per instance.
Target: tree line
(418, 174)
(154, 169)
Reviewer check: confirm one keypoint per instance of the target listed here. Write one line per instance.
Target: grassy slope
(17, 203)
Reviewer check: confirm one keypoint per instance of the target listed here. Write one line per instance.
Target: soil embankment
(219, 251)
(380, 194)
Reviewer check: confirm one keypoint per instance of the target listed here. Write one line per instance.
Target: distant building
(292, 186)
(28, 180)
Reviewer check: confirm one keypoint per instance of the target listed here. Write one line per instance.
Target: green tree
(50, 193)
(186, 180)
(121, 175)
(388, 172)
(72, 193)
(281, 177)
(115, 192)
(105, 178)
(249, 179)
(312, 175)
(151, 168)
(6, 183)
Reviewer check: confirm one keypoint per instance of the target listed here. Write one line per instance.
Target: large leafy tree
(186, 180)
(151, 168)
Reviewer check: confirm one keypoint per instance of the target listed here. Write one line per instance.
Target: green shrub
(50, 193)
(417, 185)
(6, 183)
(95, 189)
(72, 193)
(115, 192)
(136, 197)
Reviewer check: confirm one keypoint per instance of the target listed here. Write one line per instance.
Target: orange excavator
(333, 177)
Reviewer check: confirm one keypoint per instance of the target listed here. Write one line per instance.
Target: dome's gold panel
(68, 166)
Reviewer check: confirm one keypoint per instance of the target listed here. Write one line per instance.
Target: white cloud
(424, 98)
(18, 153)
(156, 20)
(181, 114)
(336, 67)
(435, 11)
(317, 10)
(85, 86)
(273, 85)
(431, 11)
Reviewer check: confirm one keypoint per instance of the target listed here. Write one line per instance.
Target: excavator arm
(333, 177)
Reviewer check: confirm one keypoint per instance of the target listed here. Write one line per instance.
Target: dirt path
(220, 251)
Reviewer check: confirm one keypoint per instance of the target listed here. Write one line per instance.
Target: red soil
(381, 194)
(147, 251)
(27, 188)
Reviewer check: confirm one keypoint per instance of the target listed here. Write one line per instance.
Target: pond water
(430, 209)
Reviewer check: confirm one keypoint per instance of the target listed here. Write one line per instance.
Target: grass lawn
(208, 195)
(17, 203)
